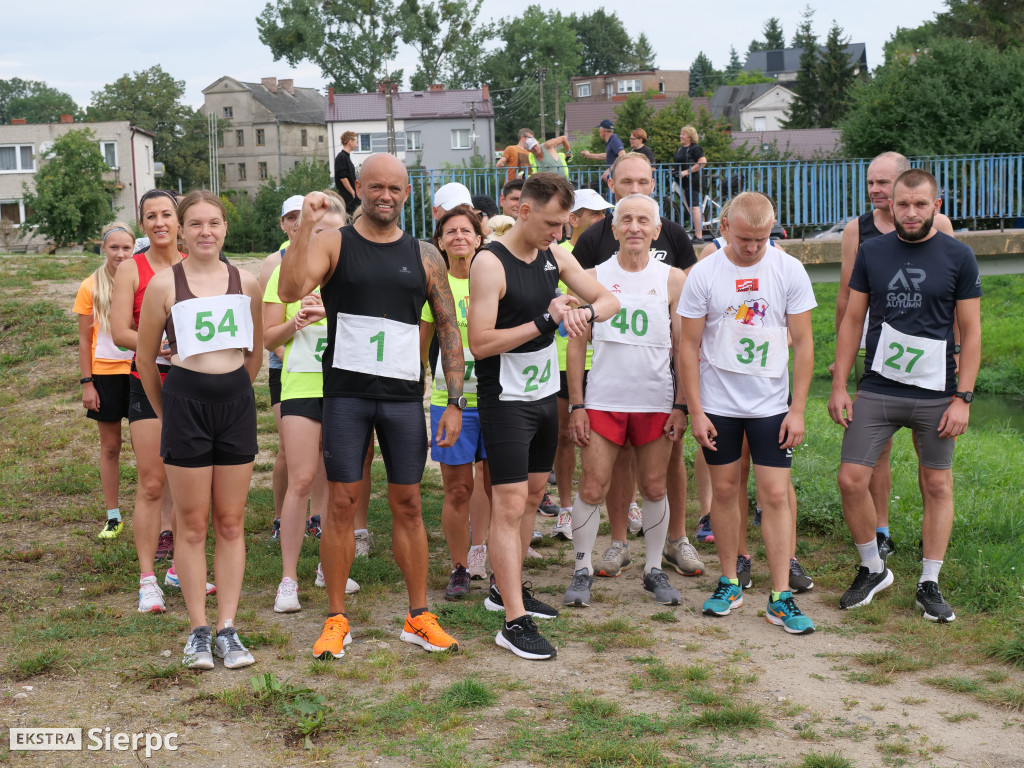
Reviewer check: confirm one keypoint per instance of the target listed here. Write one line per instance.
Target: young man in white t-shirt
(737, 306)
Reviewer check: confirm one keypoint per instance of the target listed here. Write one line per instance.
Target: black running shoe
(535, 607)
(522, 638)
(885, 545)
(799, 581)
(864, 587)
(547, 507)
(313, 526)
(275, 532)
(930, 600)
(743, 570)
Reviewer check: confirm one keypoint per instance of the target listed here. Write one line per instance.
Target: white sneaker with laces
(634, 519)
(151, 597)
(477, 565)
(351, 587)
(287, 600)
(562, 528)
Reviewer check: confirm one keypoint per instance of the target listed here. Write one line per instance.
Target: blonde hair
(103, 281)
(336, 205)
(690, 131)
(756, 209)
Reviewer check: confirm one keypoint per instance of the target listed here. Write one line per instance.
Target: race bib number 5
(306, 353)
(212, 323)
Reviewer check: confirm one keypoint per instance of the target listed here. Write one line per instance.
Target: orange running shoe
(425, 632)
(333, 639)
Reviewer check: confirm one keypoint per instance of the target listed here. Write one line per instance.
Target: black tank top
(385, 280)
(866, 228)
(529, 288)
(183, 293)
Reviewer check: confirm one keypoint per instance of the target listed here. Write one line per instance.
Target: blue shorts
(762, 434)
(468, 449)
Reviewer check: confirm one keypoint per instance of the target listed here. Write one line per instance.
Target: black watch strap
(967, 397)
(576, 407)
(459, 402)
(85, 380)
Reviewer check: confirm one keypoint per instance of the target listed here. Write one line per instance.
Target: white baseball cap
(293, 203)
(452, 194)
(531, 143)
(589, 199)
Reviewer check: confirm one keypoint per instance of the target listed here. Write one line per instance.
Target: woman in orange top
(105, 366)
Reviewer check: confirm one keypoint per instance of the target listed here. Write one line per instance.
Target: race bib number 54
(212, 323)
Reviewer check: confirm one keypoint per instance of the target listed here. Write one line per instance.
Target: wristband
(85, 380)
(681, 407)
(593, 314)
(545, 324)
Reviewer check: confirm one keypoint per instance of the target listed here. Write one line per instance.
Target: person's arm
(442, 306)
(350, 170)
(253, 358)
(575, 363)
(308, 264)
(708, 249)
(558, 141)
(152, 319)
(675, 426)
(90, 398)
(847, 344)
(791, 433)
(968, 317)
(584, 284)
(851, 242)
(126, 280)
(276, 329)
(688, 372)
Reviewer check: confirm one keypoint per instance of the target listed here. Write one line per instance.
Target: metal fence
(807, 194)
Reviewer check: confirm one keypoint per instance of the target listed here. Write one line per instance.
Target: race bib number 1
(212, 323)
(377, 346)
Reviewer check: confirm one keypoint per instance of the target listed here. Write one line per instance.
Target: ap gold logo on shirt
(905, 289)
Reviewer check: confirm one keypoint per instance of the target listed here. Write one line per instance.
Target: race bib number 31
(212, 323)
(751, 351)
(377, 346)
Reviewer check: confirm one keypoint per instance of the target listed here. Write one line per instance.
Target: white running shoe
(477, 566)
(634, 519)
(562, 528)
(227, 646)
(351, 587)
(287, 600)
(171, 580)
(151, 597)
(532, 554)
(363, 544)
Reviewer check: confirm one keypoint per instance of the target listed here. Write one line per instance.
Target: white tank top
(633, 350)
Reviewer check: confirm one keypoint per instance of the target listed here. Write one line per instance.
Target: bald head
(383, 186)
(882, 174)
(382, 162)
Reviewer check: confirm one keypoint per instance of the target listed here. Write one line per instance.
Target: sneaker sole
(239, 665)
(200, 664)
(154, 609)
(210, 588)
(936, 619)
(886, 582)
(577, 603)
(673, 601)
(455, 595)
(289, 609)
(738, 603)
(500, 640)
(801, 590)
(706, 540)
(561, 535)
(678, 569)
(610, 575)
(325, 655)
(780, 623)
(478, 576)
(490, 605)
(412, 637)
(745, 584)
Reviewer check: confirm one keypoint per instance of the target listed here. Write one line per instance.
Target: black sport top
(378, 280)
(672, 246)
(529, 289)
(866, 228)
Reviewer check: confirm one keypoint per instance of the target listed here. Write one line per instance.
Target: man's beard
(919, 234)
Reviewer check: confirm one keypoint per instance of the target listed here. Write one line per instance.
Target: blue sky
(79, 49)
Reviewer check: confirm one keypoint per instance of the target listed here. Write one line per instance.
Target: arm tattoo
(439, 294)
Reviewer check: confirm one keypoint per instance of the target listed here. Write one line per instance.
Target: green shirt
(460, 292)
(299, 384)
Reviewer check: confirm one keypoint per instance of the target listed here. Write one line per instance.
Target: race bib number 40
(377, 346)
(911, 360)
(642, 320)
(212, 323)
(751, 351)
(528, 376)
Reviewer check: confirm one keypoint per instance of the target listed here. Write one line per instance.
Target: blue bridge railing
(806, 194)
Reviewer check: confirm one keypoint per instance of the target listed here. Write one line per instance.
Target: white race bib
(911, 360)
(377, 346)
(527, 376)
(469, 385)
(748, 350)
(212, 323)
(106, 349)
(306, 353)
(642, 320)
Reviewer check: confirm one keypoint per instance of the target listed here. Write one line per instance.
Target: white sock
(564, 509)
(586, 519)
(655, 531)
(869, 556)
(929, 570)
(114, 514)
(478, 548)
(360, 530)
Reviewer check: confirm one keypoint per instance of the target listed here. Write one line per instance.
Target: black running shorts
(520, 439)
(348, 426)
(113, 390)
(762, 437)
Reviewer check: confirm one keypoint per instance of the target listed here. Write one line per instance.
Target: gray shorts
(876, 418)
(348, 426)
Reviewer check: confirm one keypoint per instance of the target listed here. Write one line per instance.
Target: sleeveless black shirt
(529, 288)
(374, 280)
(866, 228)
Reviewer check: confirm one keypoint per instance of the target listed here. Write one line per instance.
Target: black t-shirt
(344, 169)
(914, 288)
(687, 157)
(598, 244)
(646, 152)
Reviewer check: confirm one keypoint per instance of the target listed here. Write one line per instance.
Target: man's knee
(937, 483)
(852, 478)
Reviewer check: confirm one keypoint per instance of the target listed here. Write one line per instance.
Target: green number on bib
(378, 339)
(917, 356)
(748, 356)
(321, 345)
(123, 349)
(620, 321)
(469, 369)
(546, 374)
(204, 328)
(894, 361)
(530, 372)
(637, 322)
(227, 325)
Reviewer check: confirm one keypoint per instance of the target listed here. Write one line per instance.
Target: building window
(582, 90)
(223, 173)
(239, 138)
(220, 140)
(11, 210)
(320, 138)
(413, 141)
(760, 123)
(661, 86)
(109, 151)
(229, 112)
(15, 158)
(629, 86)
(460, 138)
(261, 170)
(305, 137)
(261, 137)
(363, 143)
(241, 171)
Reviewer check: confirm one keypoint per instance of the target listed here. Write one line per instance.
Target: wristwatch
(85, 380)
(459, 402)
(967, 397)
(576, 407)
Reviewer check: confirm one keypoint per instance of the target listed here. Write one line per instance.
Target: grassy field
(635, 684)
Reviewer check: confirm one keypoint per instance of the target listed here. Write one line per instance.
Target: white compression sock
(869, 556)
(655, 531)
(586, 519)
(930, 570)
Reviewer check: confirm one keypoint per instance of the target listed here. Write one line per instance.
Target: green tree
(960, 96)
(803, 113)
(835, 79)
(71, 203)
(530, 41)
(634, 112)
(997, 22)
(152, 100)
(606, 46)
(35, 102)
(350, 40)
(751, 78)
(774, 37)
(735, 67)
(704, 78)
(715, 134)
(644, 56)
(449, 39)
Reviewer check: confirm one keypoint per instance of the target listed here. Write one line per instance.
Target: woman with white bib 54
(212, 314)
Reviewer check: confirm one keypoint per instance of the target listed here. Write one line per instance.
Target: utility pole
(389, 88)
(472, 137)
(558, 114)
(214, 158)
(540, 79)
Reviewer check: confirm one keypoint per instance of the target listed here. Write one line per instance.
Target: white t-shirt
(759, 298)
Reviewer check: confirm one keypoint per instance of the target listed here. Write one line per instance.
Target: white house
(768, 111)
